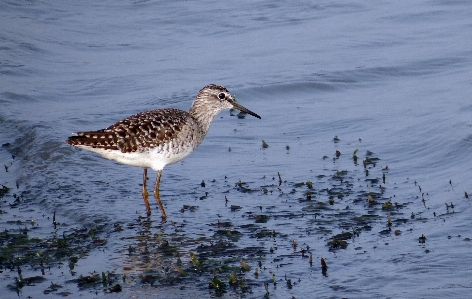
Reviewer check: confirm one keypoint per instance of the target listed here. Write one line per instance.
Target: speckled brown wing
(146, 129)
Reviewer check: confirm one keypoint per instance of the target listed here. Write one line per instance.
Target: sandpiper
(156, 138)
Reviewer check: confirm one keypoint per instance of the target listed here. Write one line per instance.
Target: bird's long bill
(241, 108)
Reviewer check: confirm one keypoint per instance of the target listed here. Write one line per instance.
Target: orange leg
(145, 193)
(156, 194)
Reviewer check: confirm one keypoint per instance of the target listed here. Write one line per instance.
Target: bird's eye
(221, 96)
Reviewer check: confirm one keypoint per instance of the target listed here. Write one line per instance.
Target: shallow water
(387, 77)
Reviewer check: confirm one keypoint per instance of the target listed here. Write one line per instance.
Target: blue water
(390, 77)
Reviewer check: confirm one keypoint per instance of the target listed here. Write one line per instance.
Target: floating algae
(216, 253)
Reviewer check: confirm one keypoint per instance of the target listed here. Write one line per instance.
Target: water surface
(387, 77)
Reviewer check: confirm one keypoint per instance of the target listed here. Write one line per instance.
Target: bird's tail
(96, 139)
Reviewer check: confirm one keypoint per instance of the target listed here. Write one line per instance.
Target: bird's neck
(203, 114)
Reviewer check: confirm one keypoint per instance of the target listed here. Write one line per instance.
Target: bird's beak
(241, 108)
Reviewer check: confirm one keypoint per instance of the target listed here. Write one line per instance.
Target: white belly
(155, 158)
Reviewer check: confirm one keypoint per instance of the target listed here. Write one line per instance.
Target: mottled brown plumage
(155, 138)
(142, 131)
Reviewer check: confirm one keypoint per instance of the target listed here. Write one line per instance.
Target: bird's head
(217, 98)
